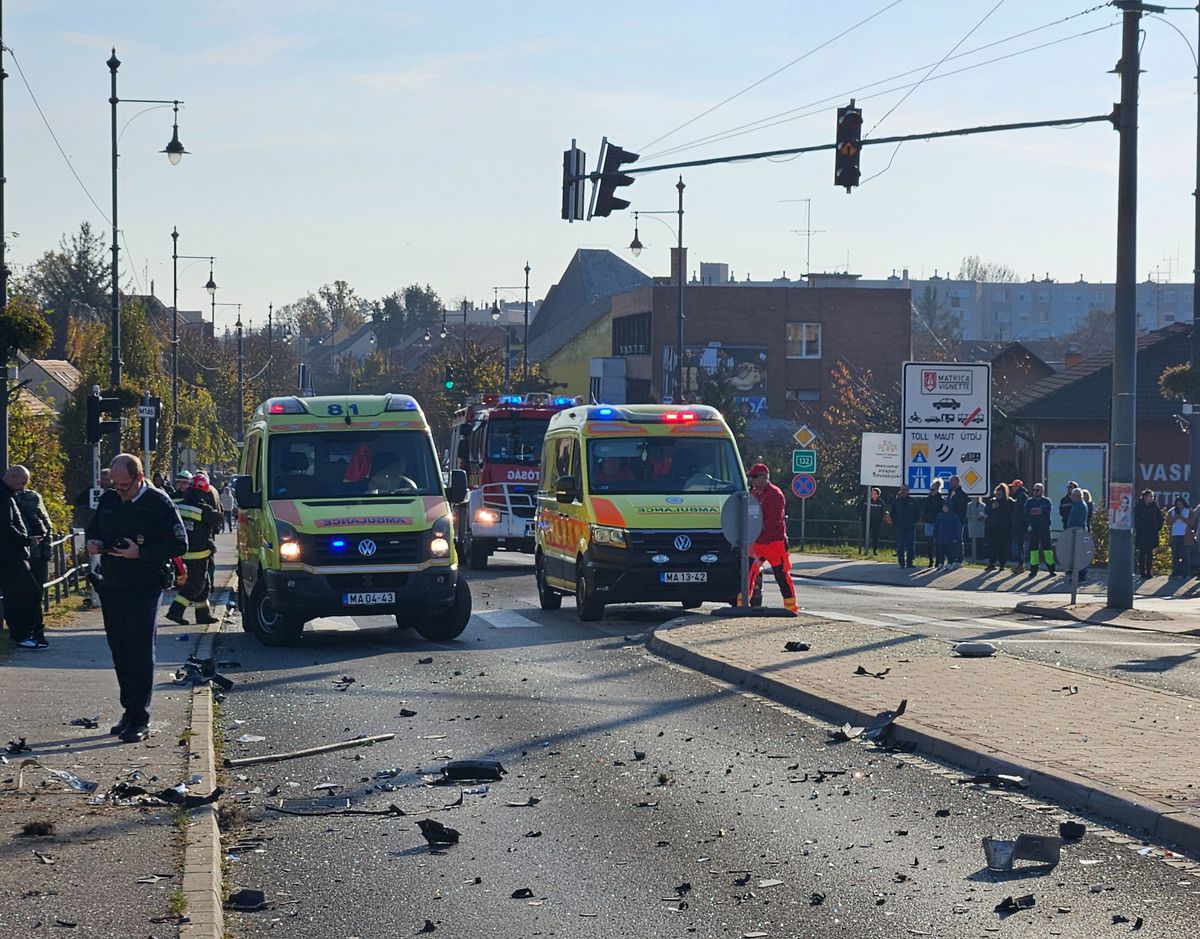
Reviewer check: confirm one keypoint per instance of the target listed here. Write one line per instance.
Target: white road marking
(508, 619)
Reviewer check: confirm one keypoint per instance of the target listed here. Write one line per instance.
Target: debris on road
(816, 899)
(997, 781)
(873, 731)
(1010, 905)
(532, 800)
(39, 829)
(428, 660)
(18, 746)
(246, 901)
(428, 927)
(862, 671)
(407, 712)
(311, 751)
(436, 833)
(250, 738)
(796, 645)
(1072, 831)
(522, 893)
(345, 680)
(1069, 689)
(473, 770)
(75, 782)
(1041, 849)
(324, 807)
(181, 797)
(91, 723)
(975, 649)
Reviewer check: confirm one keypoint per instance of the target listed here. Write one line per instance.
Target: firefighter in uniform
(201, 520)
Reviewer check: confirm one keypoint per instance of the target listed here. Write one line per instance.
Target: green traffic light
(449, 385)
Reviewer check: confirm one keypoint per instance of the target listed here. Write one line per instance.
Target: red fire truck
(497, 439)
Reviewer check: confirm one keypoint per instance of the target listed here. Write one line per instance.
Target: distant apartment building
(1027, 311)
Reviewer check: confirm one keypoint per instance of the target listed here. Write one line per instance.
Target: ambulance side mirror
(566, 492)
(243, 491)
(457, 492)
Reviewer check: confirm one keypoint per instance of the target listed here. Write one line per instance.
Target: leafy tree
(72, 281)
(716, 390)
(23, 329)
(33, 443)
(988, 272)
(934, 326)
(857, 405)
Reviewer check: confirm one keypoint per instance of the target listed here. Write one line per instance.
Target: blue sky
(389, 142)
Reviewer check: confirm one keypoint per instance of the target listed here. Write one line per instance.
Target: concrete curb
(1050, 610)
(1159, 821)
(202, 881)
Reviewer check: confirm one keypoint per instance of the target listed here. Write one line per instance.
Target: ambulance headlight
(289, 551)
(439, 545)
(612, 537)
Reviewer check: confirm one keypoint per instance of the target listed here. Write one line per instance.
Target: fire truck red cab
(497, 439)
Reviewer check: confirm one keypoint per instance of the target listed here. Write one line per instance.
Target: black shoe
(1033, 571)
(205, 619)
(134, 734)
(989, 569)
(1052, 572)
(175, 615)
(120, 726)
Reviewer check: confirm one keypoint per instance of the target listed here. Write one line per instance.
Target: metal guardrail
(65, 574)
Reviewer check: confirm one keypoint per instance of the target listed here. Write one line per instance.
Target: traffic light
(150, 421)
(574, 171)
(849, 145)
(610, 178)
(98, 406)
(448, 381)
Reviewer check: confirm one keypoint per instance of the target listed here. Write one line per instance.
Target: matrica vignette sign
(947, 424)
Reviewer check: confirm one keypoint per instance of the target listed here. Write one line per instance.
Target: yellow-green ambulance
(629, 507)
(343, 511)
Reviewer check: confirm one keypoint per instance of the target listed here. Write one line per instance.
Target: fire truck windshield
(514, 440)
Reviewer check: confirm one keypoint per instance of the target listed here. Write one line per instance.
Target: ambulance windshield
(665, 465)
(330, 465)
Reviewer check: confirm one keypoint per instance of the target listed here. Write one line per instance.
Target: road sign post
(947, 410)
(741, 523)
(804, 461)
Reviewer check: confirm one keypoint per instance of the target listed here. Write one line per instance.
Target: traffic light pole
(1194, 417)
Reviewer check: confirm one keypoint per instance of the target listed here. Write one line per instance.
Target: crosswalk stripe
(508, 619)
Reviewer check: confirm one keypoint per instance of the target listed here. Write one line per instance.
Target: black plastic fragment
(460, 770)
(796, 645)
(436, 833)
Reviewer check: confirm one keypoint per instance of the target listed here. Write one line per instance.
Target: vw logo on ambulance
(683, 543)
(366, 547)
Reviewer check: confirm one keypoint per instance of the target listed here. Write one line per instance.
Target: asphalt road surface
(664, 803)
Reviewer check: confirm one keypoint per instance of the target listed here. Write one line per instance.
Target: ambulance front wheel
(449, 623)
(270, 625)
(548, 598)
(589, 608)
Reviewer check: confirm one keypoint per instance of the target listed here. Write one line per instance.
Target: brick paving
(1110, 734)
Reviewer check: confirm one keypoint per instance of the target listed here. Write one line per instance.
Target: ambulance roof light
(290, 405)
(605, 414)
(400, 403)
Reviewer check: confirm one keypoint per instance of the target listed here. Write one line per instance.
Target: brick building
(778, 345)
(1073, 407)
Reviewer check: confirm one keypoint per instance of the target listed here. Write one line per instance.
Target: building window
(803, 394)
(1043, 296)
(803, 340)
(1022, 297)
(1001, 295)
(631, 335)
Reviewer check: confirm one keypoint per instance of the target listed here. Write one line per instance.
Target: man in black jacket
(22, 606)
(135, 532)
(959, 500)
(1147, 525)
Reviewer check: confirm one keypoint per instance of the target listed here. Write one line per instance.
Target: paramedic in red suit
(771, 545)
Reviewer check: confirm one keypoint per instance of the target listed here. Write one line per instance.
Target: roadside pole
(1194, 417)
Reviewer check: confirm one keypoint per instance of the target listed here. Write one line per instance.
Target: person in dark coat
(947, 532)
(959, 501)
(905, 513)
(22, 602)
(875, 510)
(931, 508)
(1016, 492)
(998, 528)
(1148, 521)
(1066, 502)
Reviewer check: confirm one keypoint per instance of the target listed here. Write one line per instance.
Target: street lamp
(175, 256)
(525, 341)
(174, 151)
(635, 248)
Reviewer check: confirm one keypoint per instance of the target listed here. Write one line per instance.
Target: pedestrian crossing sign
(919, 453)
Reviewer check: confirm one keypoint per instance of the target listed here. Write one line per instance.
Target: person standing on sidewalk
(37, 524)
(998, 527)
(1037, 515)
(1147, 527)
(959, 501)
(1064, 504)
(875, 510)
(201, 521)
(136, 532)
(771, 545)
(1016, 491)
(1080, 516)
(228, 506)
(1180, 520)
(905, 513)
(22, 600)
(931, 508)
(947, 532)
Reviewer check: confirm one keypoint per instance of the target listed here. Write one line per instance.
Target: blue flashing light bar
(604, 413)
(563, 400)
(511, 399)
(338, 544)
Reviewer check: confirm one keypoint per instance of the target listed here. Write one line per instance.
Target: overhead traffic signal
(611, 178)
(448, 381)
(96, 408)
(849, 146)
(574, 177)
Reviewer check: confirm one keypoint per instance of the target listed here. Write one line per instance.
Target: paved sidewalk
(1122, 751)
(89, 868)
(1161, 604)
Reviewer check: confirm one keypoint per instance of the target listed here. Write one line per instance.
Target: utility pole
(525, 340)
(682, 273)
(270, 346)
(241, 388)
(4, 351)
(174, 353)
(1123, 431)
(1194, 417)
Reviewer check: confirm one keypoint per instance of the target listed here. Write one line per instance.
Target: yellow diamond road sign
(804, 436)
(971, 478)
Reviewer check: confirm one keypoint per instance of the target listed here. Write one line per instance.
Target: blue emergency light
(604, 413)
(337, 544)
(562, 400)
